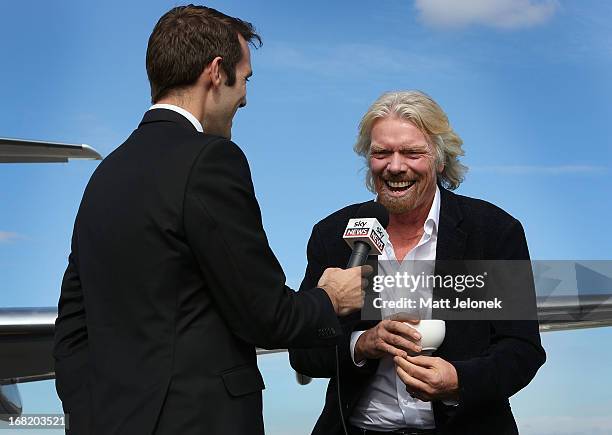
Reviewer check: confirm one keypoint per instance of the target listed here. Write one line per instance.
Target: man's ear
(213, 73)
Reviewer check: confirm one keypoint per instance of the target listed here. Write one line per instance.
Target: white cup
(432, 334)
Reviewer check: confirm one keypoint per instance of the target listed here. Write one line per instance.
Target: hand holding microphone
(364, 234)
(344, 287)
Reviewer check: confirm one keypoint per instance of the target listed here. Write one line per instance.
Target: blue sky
(524, 82)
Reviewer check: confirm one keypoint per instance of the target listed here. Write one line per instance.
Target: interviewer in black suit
(411, 152)
(171, 283)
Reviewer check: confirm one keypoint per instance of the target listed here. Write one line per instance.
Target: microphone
(366, 233)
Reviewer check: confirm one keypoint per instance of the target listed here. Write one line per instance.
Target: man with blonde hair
(412, 156)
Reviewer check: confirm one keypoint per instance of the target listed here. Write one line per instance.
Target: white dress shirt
(197, 124)
(385, 405)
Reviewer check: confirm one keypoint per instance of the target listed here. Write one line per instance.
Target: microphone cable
(338, 391)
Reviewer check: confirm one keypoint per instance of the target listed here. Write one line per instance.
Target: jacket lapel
(451, 238)
(450, 246)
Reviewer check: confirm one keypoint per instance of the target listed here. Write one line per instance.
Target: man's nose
(396, 163)
(243, 102)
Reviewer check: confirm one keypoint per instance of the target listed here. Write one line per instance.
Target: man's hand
(428, 378)
(388, 337)
(345, 287)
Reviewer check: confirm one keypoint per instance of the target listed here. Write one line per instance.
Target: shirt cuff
(354, 337)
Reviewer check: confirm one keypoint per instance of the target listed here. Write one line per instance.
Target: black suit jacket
(170, 285)
(493, 359)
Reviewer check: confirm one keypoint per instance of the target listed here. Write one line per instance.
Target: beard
(412, 198)
(395, 204)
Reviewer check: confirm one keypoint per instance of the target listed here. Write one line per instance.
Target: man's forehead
(397, 131)
(246, 50)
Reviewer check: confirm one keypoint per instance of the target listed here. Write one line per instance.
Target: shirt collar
(433, 218)
(180, 110)
(430, 227)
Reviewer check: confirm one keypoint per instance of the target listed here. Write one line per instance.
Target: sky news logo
(377, 241)
(356, 232)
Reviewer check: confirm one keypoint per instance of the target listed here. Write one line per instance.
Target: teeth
(400, 183)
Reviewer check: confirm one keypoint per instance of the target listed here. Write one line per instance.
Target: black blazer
(170, 285)
(493, 359)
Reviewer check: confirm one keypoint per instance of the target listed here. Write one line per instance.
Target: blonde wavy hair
(420, 109)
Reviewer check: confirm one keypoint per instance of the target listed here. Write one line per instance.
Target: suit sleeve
(70, 347)
(224, 230)
(321, 362)
(515, 353)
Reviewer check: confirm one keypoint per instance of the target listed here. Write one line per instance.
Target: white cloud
(535, 169)
(506, 14)
(7, 236)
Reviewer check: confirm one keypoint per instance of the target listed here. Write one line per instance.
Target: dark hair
(186, 39)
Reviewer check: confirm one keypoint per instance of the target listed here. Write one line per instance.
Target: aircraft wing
(26, 334)
(561, 313)
(31, 151)
(26, 344)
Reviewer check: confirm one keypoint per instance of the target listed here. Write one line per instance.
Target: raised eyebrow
(416, 149)
(376, 148)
